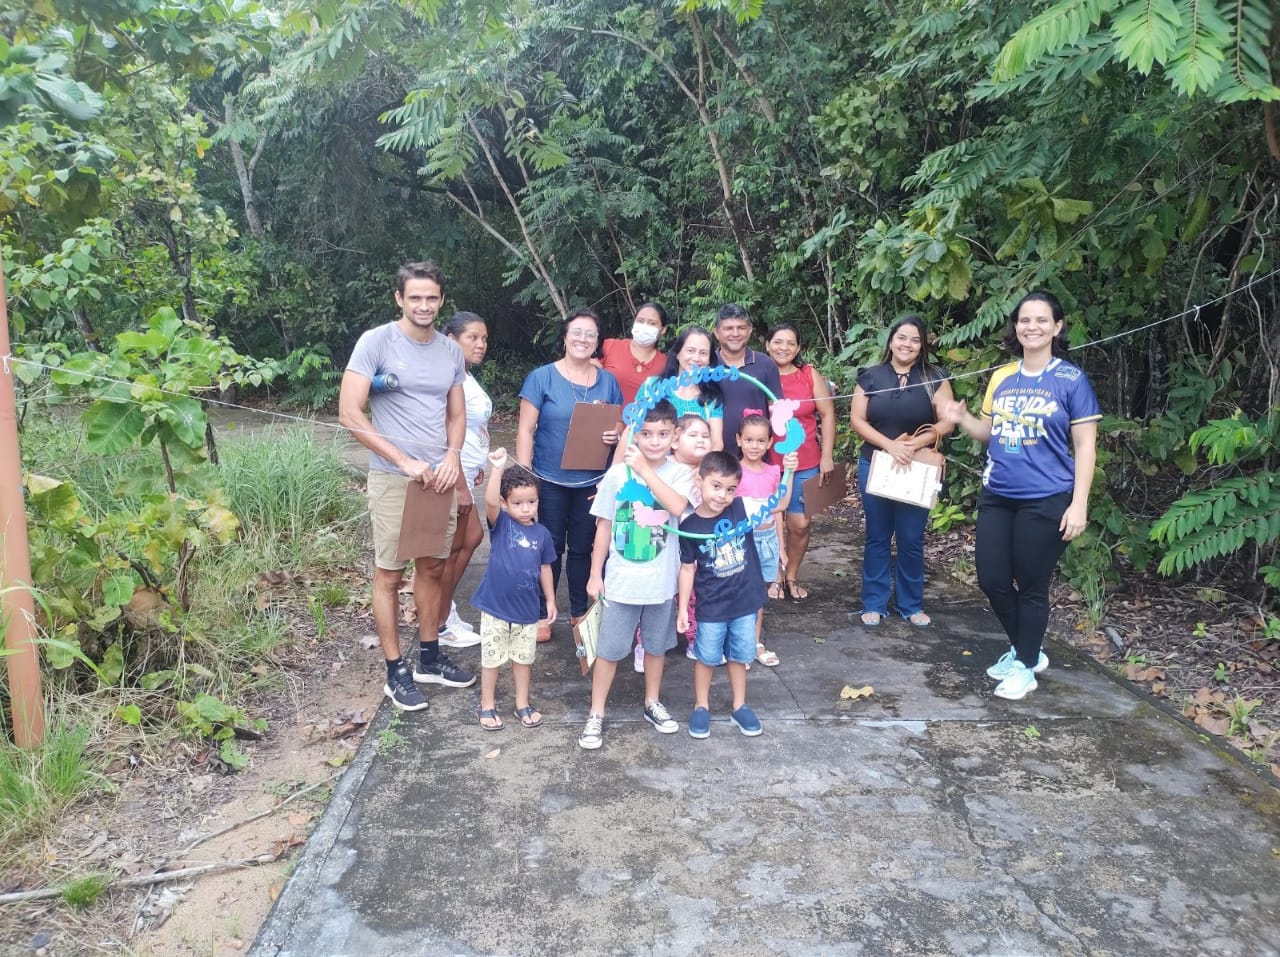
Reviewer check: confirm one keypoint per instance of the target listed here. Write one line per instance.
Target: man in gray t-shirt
(415, 435)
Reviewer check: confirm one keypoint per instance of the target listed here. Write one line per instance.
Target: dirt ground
(163, 808)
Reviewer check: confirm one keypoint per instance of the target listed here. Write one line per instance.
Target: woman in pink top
(633, 360)
(817, 414)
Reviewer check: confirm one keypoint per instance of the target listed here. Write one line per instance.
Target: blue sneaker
(746, 721)
(1020, 681)
(700, 723)
(1001, 669)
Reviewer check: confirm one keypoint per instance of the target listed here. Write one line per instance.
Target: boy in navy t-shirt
(730, 588)
(516, 579)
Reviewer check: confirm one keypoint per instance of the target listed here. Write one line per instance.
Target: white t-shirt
(644, 558)
(475, 448)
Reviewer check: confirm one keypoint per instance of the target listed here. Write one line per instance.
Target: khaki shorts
(501, 641)
(386, 510)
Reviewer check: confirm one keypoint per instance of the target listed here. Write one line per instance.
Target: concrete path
(928, 819)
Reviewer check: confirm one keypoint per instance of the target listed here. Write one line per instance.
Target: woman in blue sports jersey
(1040, 423)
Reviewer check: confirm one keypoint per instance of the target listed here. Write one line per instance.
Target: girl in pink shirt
(760, 480)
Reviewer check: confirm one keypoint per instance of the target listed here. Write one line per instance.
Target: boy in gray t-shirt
(633, 503)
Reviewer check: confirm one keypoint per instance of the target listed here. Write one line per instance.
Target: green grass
(36, 785)
(83, 892)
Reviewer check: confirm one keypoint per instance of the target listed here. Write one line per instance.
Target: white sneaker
(637, 659)
(1020, 681)
(458, 639)
(455, 623)
(592, 733)
(1000, 670)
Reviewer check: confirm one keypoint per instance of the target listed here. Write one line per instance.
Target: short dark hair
(731, 310)
(517, 476)
(582, 314)
(720, 462)
(662, 411)
(422, 270)
(1060, 345)
(458, 323)
(787, 326)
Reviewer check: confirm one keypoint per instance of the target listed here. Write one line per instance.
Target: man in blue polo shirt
(733, 332)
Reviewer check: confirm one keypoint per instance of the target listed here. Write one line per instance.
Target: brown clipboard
(583, 447)
(818, 497)
(424, 524)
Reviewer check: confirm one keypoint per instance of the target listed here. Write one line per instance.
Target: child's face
(654, 440)
(754, 442)
(522, 504)
(717, 490)
(693, 441)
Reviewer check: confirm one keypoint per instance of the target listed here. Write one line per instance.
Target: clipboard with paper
(583, 446)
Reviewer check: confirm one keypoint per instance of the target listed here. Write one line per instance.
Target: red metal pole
(17, 608)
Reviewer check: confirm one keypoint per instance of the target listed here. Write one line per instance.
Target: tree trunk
(244, 172)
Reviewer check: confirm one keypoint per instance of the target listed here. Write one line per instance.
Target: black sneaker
(442, 671)
(404, 694)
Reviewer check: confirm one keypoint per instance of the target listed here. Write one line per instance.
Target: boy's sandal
(871, 618)
(766, 657)
(490, 715)
(529, 716)
(796, 591)
(777, 591)
(920, 620)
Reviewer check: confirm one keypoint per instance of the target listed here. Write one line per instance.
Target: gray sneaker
(592, 733)
(658, 716)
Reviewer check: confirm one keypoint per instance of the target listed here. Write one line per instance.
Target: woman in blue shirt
(1040, 424)
(547, 399)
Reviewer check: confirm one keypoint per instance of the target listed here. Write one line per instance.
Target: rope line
(10, 358)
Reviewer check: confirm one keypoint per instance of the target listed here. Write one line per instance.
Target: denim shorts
(796, 505)
(733, 640)
(767, 548)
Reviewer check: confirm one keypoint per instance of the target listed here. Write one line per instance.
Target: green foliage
(83, 892)
(1233, 511)
(36, 785)
(1211, 47)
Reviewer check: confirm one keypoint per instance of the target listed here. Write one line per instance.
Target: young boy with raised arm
(634, 565)
(726, 573)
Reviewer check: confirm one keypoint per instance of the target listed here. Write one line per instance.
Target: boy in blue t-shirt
(730, 591)
(516, 579)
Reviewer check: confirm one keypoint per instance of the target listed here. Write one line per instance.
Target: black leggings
(1019, 544)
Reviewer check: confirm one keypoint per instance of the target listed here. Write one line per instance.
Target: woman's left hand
(826, 466)
(610, 437)
(1073, 521)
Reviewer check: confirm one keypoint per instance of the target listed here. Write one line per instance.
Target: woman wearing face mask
(633, 360)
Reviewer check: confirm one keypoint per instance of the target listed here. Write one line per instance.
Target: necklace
(580, 390)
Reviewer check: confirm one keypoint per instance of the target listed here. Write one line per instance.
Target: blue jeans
(888, 520)
(566, 513)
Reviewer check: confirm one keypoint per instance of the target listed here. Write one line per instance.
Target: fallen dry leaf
(283, 844)
(299, 818)
(851, 693)
(490, 755)
(1212, 723)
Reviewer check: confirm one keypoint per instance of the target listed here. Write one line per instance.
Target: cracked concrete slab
(930, 818)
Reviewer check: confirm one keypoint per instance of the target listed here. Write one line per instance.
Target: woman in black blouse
(891, 401)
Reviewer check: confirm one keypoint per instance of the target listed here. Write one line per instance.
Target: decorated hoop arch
(782, 421)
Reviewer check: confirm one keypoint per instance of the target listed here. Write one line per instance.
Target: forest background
(200, 194)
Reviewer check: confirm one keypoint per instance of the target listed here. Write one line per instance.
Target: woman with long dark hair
(633, 360)
(891, 402)
(1040, 424)
(694, 348)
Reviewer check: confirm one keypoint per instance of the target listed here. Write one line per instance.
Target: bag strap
(937, 436)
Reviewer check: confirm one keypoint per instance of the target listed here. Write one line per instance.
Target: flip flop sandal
(777, 591)
(490, 714)
(766, 657)
(920, 620)
(526, 716)
(793, 591)
(871, 618)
